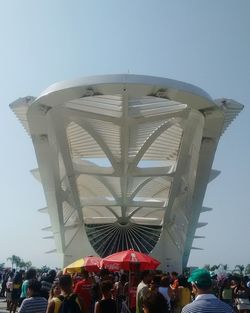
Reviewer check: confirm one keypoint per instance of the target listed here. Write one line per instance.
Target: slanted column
(172, 238)
(189, 150)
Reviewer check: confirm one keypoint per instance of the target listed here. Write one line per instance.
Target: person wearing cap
(205, 301)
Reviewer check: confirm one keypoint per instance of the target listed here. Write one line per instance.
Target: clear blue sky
(206, 43)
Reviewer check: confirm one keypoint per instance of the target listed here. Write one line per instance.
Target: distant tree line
(18, 262)
(238, 269)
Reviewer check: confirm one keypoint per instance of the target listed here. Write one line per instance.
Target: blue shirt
(34, 305)
(24, 289)
(207, 303)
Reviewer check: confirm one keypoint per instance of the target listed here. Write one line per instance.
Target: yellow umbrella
(89, 263)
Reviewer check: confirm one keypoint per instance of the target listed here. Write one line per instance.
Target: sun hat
(201, 278)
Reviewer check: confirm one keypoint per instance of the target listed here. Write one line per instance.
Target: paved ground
(3, 306)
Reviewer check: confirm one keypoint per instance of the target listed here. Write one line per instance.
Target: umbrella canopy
(129, 260)
(89, 263)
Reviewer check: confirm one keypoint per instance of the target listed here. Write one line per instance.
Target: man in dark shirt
(47, 282)
(67, 297)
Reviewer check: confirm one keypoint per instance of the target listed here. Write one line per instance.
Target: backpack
(69, 304)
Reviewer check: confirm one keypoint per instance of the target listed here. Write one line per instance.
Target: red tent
(129, 260)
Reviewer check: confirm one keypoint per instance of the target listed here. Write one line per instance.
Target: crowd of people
(105, 292)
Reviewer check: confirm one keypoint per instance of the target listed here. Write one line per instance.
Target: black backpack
(69, 304)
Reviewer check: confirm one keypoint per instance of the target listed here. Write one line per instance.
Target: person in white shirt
(142, 288)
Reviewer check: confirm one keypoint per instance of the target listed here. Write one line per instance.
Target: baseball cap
(201, 278)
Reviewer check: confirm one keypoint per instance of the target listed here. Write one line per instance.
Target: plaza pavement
(3, 306)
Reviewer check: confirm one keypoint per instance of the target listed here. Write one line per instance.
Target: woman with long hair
(55, 291)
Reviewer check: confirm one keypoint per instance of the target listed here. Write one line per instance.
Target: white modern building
(125, 161)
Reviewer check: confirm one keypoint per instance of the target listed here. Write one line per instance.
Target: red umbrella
(89, 263)
(128, 260)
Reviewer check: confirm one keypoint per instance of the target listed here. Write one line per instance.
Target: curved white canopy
(125, 161)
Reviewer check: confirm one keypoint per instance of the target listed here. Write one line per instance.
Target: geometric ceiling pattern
(124, 168)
